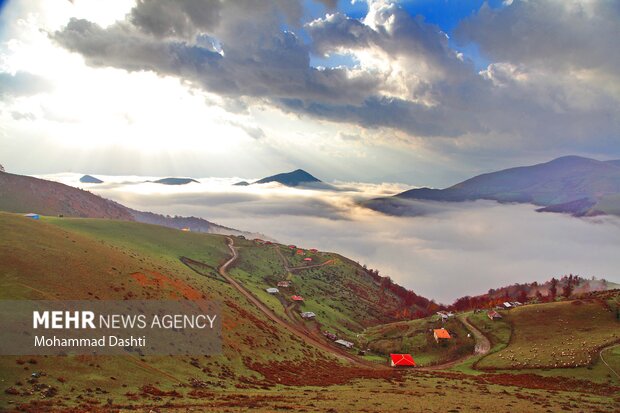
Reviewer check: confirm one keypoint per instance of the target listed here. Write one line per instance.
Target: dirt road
(483, 346)
(271, 315)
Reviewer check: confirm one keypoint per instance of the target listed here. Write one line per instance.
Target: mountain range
(571, 184)
(24, 194)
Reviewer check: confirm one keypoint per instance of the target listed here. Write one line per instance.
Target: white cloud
(457, 249)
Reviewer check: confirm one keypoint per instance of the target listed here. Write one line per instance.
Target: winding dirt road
(482, 343)
(600, 354)
(306, 337)
(483, 346)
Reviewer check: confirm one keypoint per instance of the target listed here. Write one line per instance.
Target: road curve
(265, 310)
(483, 346)
(600, 354)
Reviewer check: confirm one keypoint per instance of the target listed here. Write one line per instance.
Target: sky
(416, 92)
(453, 250)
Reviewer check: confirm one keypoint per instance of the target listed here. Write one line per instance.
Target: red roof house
(314, 250)
(308, 259)
(292, 247)
(300, 252)
(297, 298)
(494, 315)
(401, 360)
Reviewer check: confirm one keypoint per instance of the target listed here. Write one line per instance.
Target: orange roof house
(441, 334)
(297, 298)
(401, 360)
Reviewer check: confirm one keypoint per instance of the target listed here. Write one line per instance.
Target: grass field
(572, 334)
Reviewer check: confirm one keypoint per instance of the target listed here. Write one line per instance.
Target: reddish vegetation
(322, 373)
(150, 390)
(534, 381)
(178, 288)
(566, 286)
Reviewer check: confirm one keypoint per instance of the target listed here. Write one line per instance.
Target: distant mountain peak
(175, 181)
(89, 179)
(298, 177)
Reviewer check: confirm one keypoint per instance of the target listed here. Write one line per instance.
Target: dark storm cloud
(239, 50)
(561, 35)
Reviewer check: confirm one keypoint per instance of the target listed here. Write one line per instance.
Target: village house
(308, 259)
(284, 284)
(441, 334)
(307, 315)
(445, 315)
(494, 315)
(330, 336)
(185, 229)
(272, 290)
(32, 216)
(507, 305)
(401, 360)
(297, 298)
(344, 343)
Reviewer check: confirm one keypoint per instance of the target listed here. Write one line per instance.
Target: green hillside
(60, 258)
(268, 366)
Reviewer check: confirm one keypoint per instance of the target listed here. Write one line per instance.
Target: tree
(2, 168)
(553, 288)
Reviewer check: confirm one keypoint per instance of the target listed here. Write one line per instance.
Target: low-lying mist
(452, 250)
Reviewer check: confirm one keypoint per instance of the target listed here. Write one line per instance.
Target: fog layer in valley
(450, 250)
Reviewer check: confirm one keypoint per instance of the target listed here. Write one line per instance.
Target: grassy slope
(70, 258)
(526, 321)
(344, 298)
(92, 259)
(415, 337)
(572, 333)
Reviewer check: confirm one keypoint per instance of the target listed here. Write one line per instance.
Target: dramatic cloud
(407, 75)
(456, 249)
(564, 35)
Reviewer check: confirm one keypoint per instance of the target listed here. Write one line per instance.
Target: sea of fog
(454, 249)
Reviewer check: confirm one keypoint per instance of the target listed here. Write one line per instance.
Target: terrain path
(600, 354)
(306, 337)
(483, 346)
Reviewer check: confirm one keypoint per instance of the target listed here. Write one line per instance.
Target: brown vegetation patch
(317, 373)
(160, 281)
(534, 381)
